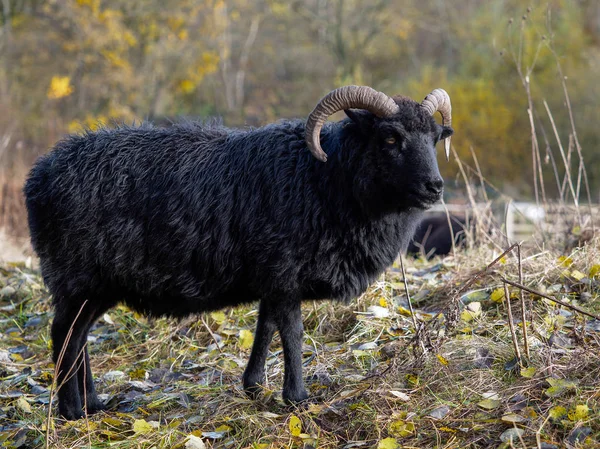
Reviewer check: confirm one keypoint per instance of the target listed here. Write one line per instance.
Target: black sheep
(192, 218)
(434, 235)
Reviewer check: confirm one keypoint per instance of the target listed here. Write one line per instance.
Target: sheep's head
(401, 136)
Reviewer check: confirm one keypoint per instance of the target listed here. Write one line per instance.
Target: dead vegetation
(373, 382)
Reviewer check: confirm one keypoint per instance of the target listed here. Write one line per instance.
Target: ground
(374, 384)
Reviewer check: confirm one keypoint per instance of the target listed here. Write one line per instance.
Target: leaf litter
(177, 383)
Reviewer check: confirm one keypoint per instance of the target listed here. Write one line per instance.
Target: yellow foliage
(60, 86)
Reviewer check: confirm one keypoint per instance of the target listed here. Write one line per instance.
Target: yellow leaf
(497, 295)
(246, 339)
(442, 360)
(557, 412)
(595, 271)
(579, 413)
(565, 261)
(60, 86)
(141, 426)
(388, 443)
(218, 317)
(502, 260)
(578, 275)
(528, 373)
(295, 426)
(401, 428)
(412, 380)
(382, 302)
(223, 428)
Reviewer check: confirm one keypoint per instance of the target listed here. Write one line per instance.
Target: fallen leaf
(378, 311)
(388, 443)
(401, 428)
(442, 359)
(246, 339)
(557, 412)
(489, 404)
(513, 418)
(194, 442)
(400, 395)
(141, 426)
(511, 435)
(23, 405)
(578, 413)
(497, 295)
(218, 317)
(528, 373)
(439, 412)
(577, 275)
(295, 426)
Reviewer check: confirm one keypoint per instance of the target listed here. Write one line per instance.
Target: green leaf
(388, 443)
(559, 386)
(295, 426)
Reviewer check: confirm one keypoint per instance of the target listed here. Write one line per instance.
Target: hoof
(71, 414)
(95, 406)
(295, 397)
(253, 385)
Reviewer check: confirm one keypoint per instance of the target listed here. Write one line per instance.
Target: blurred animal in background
(435, 234)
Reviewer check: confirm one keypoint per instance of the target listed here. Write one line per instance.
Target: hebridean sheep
(435, 234)
(193, 218)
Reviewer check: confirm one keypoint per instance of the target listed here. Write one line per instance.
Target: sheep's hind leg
(254, 375)
(75, 317)
(288, 317)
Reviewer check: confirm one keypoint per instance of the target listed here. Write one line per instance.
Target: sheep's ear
(446, 132)
(364, 119)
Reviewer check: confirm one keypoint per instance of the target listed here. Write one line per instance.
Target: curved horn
(439, 101)
(347, 97)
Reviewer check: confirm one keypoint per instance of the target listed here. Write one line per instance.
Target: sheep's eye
(390, 140)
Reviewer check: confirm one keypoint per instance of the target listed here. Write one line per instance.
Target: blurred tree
(68, 64)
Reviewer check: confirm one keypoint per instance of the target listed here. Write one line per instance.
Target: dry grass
(369, 377)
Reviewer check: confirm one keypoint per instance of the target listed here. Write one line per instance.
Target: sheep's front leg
(254, 375)
(288, 317)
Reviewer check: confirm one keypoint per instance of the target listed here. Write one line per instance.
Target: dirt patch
(13, 249)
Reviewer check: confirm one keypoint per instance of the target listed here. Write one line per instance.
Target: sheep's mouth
(423, 199)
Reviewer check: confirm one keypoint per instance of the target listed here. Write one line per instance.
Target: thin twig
(558, 301)
(523, 308)
(511, 325)
(410, 307)
(211, 334)
(450, 227)
(59, 360)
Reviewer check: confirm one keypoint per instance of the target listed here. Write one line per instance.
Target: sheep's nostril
(435, 186)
